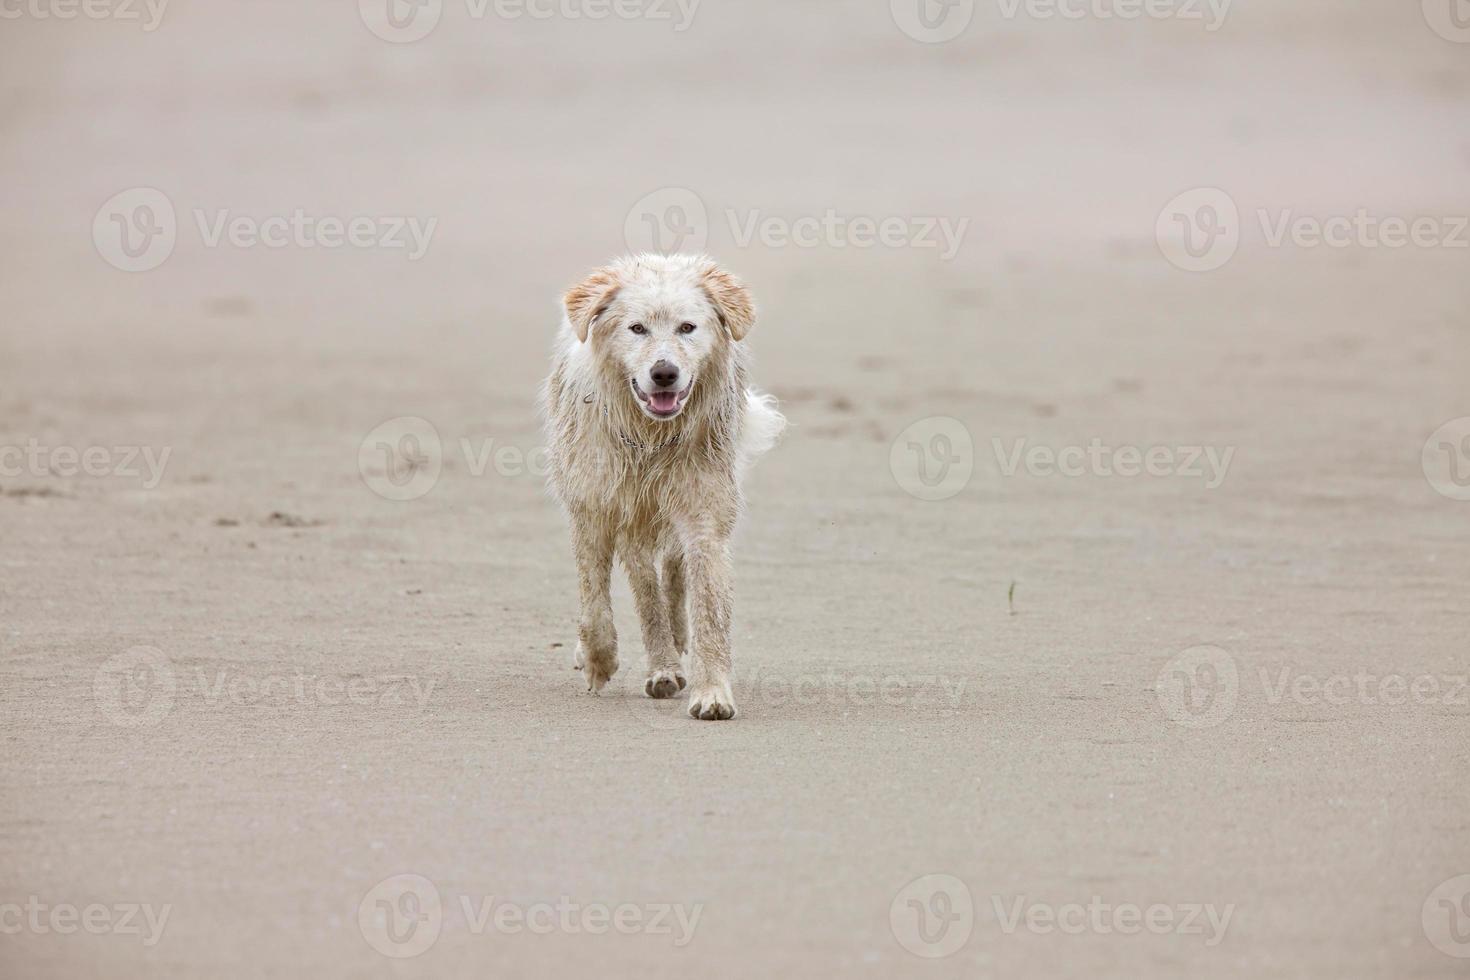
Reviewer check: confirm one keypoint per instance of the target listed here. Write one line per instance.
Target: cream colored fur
(663, 495)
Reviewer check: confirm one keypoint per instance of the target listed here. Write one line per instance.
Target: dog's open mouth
(662, 404)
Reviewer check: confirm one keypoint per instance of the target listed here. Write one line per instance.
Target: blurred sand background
(1056, 773)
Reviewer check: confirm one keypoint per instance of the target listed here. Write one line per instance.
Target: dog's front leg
(597, 637)
(707, 570)
(665, 676)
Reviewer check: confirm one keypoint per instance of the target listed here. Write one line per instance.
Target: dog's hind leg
(674, 597)
(597, 637)
(665, 676)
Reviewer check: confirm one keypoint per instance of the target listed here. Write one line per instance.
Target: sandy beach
(1102, 612)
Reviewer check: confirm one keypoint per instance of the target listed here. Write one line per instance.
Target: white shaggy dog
(651, 426)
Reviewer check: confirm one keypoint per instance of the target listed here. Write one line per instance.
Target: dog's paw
(664, 683)
(598, 673)
(597, 667)
(712, 702)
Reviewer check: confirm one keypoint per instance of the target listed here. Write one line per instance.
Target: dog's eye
(638, 328)
(686, 328)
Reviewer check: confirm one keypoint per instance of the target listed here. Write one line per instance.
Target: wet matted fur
(649, 468)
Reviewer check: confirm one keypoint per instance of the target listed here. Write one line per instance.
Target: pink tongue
(663, 401)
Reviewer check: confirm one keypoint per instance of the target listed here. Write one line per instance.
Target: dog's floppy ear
(731, 299)
(589, 299)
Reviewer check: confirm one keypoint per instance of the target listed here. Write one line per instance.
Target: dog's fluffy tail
(762, 426)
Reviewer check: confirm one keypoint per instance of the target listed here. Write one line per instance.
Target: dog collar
(628, 440)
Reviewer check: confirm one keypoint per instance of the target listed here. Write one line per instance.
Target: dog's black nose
(664, 374)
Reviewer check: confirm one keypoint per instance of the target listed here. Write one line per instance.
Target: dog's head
(663, 323)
